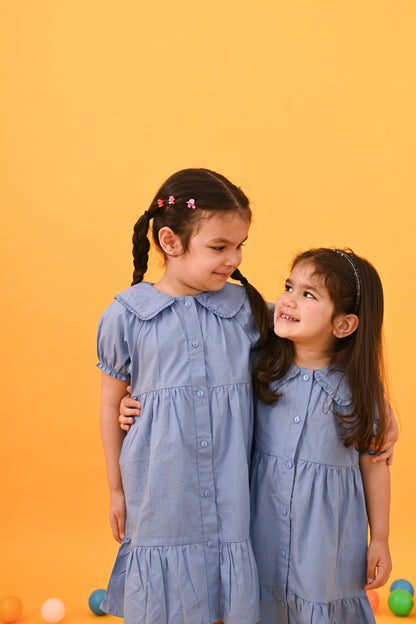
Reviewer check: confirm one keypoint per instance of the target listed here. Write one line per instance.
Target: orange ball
(374, 599)
(10, 609)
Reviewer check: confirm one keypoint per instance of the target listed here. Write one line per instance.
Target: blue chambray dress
(309, 523)
(187, 556)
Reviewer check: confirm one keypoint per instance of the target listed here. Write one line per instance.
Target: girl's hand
(392, 436)
(118, 514)
(378, 564)
(129, 409)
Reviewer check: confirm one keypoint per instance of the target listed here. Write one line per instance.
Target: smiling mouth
(286, 317)
(223, 275)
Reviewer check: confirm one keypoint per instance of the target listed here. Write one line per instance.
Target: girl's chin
(281, 333)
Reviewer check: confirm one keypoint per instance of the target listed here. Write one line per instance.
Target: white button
(207, 493)
(283, 511)
(204, 444)
(289, 464)
(297, 419)
(200, 394)
(283, 554)
(306, 378)
(210, 543)
(188, 303)
(195, 343)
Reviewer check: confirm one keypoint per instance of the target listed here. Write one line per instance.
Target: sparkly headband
(356, 277)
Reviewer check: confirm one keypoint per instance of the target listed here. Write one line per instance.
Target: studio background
(309, 106)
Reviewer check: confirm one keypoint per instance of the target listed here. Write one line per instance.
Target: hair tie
(160, 203)
(244, 280)
(191, 204)
(171, 200)
(357, 278)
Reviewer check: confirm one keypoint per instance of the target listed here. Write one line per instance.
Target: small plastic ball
(95, 600)
(52, 610)
(400, 602)
(373, 599)
(402, 584)
(10, 609)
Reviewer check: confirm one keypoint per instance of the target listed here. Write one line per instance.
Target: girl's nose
(289, 299)
(234, 258)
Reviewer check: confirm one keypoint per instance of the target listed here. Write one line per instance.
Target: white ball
(52, 610)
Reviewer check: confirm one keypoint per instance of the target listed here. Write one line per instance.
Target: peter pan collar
(331, 379)
(146, 302)
(335, 383)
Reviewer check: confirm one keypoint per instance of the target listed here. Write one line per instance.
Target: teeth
(288, 318)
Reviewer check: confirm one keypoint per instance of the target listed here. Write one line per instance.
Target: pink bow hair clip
(191, 204)
(160, 203)
(171, 200)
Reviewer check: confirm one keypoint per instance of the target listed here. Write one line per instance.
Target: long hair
(360, 354)
(210, 192)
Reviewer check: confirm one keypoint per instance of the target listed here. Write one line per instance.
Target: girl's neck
(173, 289)
(314, 359)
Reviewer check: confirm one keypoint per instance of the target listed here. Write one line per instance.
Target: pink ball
(52, 610)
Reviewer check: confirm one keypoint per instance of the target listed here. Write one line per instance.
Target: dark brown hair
(360, 354)
(212, 193)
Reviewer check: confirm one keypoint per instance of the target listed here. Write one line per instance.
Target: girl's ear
(169, 241)
(344, 325)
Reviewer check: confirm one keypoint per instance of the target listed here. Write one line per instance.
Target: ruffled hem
(355, 610)
(184, 584)
(296, 610)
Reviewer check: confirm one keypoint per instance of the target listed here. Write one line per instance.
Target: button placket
(296, 423)
(203, 435)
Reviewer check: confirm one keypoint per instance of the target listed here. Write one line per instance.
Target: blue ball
(95, 600)
(402, 584)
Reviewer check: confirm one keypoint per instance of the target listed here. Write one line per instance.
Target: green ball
(400, 602)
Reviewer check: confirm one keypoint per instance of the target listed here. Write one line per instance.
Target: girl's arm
(392, 435)
(376, 480)
(112, 391)
(129, 409)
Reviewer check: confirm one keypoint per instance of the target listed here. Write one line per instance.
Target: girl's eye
(288, 288)
(218, 248)
(308, 295)
(241, 245)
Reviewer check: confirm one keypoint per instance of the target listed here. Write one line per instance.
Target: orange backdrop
(309, 106)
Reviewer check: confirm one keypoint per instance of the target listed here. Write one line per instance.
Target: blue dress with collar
(309, 523)
(187, 556)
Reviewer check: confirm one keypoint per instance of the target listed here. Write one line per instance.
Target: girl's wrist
(379, 537)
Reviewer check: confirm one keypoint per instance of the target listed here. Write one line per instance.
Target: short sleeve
(112, 342)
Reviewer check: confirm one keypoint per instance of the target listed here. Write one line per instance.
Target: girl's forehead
(305, 271)
(305, 268)
(222, 222)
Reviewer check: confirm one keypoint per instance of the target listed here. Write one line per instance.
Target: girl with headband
(313, 484)
(179, 481)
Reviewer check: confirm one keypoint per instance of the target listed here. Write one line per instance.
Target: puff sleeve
(112, 342)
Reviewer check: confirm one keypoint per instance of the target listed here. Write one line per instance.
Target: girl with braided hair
(321, 408)
(179, 480)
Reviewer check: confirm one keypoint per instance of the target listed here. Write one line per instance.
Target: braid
(258, 306)
(141, 246)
